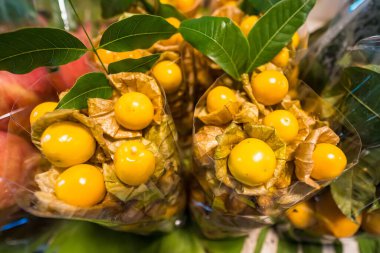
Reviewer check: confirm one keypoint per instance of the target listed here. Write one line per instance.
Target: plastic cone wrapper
(220, 202)
(145, 207)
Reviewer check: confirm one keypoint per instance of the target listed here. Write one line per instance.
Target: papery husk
(229, 11)
(102, 112)
(139, 82)
(220, 117)
(204, 144)
(305, 124)
(235, 134)
(304, 153)
(248, 113)
(102, 154)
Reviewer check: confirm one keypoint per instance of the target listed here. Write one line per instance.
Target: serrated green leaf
(356, 189)
(26, 49)
(361, 105)
(136, 32)
(91, 85)
(275, 29)
(219, 39)
(143, 64)
(262, 5)
(111, 8)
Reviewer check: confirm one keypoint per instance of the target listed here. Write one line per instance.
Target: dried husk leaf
(235, 134)
(204, 144)
(139, 82)
(305, 123)
(102, 111)
(220, 117)
(229, 11)
(248, 112)
(73, 116)
(285, 178)
(304, 153)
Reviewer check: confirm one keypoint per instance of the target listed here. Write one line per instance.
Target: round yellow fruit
(67, 143)
(331, 218)
(185, 5)
(252, 162)
(301, 215)
(295, 40)
(135, 54)
(270, 87)
(219, 97)
(134, 111)
(176, 38)
(105, 56)
(247, 23)
(282, 58)
(285, 123)
(81, 185)
(329, 161)
(41, 109)
(134, 163)
(168, 74)
(371, 222)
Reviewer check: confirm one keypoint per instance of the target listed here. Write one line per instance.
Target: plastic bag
(155, 205)
(223, 206)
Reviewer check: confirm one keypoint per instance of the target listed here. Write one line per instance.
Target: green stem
(88, 37)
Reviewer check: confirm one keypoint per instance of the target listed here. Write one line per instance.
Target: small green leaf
(262, 5)
(356, 189)
(275, 29)
(219, 39)
(167, 11)
(136, 32)
(26, 49)
(91, 85)
(143, 64)
(111, 8)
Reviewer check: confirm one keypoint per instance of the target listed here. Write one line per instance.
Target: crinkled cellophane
(156, 205)
(223, 206)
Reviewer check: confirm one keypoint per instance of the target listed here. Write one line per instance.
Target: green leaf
(136, 32)
(26, 49)
(275, 29)
(143, 64)
(111, 8)
(361, 105)
(262, 5)
(91, 85)
(356, 189)
(167, 11)
(219, 39)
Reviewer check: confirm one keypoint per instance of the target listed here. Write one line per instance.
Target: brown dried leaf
(304, 153)
(204, 143)
(248, 112)
(220, 117)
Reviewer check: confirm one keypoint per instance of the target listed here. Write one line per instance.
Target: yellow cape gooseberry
(134, 163)
(333, 220)
(185, 5)
(134, 111)
(295, 40)
(176, 38)
(282, 58)
(168, 74)
(371, 222)
(81, 185)
(301, 215)
(329, 161)
(40, 110)
(252, 162)
(247, 23)
(219, 97)
(285, 123)
(67, 143)
(270, 87)
(105, 56)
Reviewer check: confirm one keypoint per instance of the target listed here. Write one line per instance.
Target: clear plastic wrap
(155, 205)
(223, 206)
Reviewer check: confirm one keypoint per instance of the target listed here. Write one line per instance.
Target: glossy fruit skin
(182, 5)
(81, 185)
(67, 143)
(109, 57)
(282, 58)
(41, 109)
(295, 40)
(285, 123)
(168, 74)
(134, 111)
(134, 163)
(252, 162)
(301, 215)
(329, 161)
(176, 38)
(106, 56)
(333, 220)
(371, 222)
(219, 97)
(247, 23)
(270, 87)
